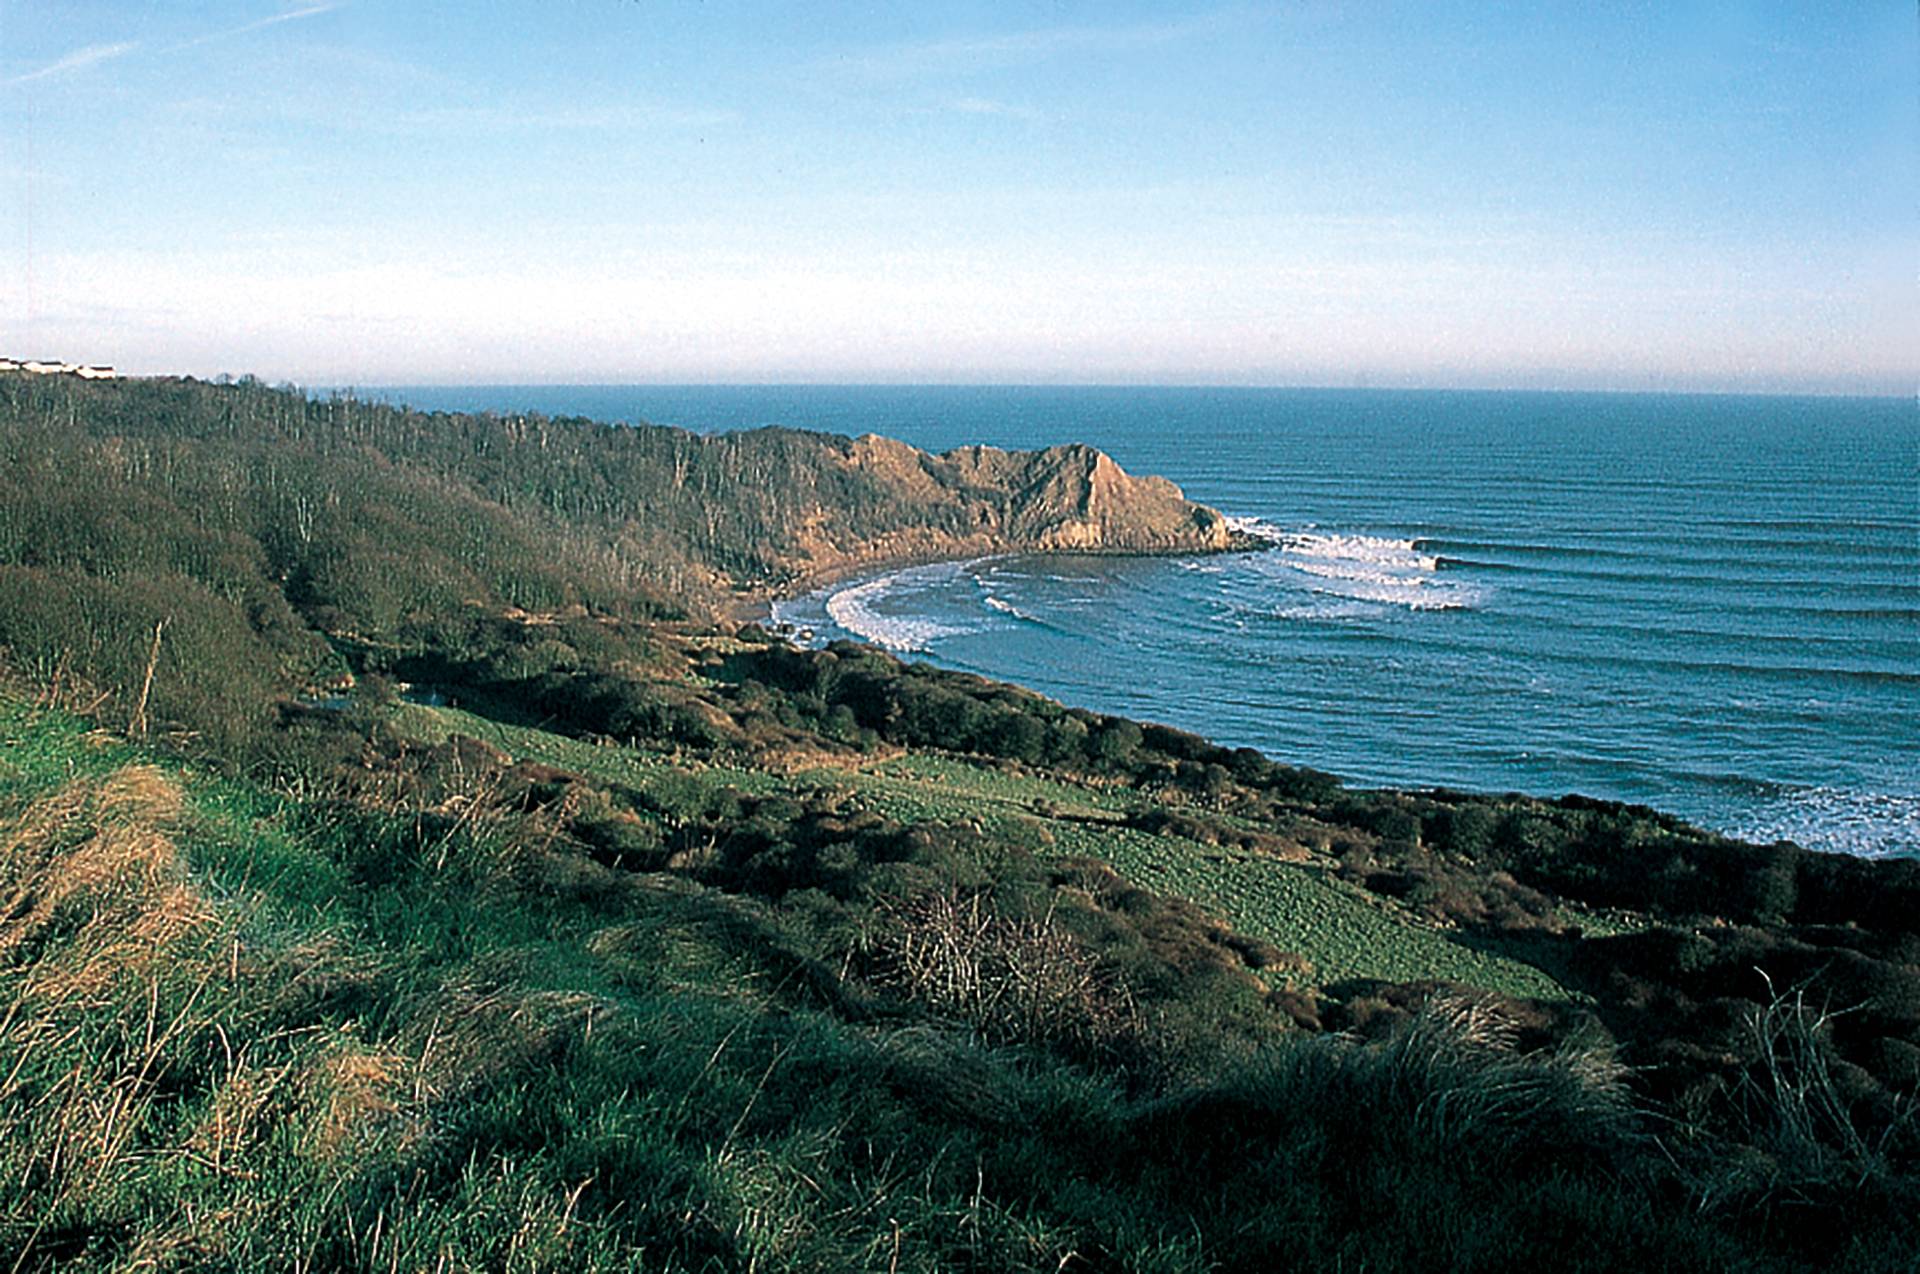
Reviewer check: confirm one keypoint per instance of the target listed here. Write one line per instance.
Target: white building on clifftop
(45, 367)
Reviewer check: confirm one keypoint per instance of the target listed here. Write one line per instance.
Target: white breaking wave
(1259, 528)
(1359, 557)
(853, 609)
(1867, 824)
(1315, 612)
(1367, 568)
(1013, 612)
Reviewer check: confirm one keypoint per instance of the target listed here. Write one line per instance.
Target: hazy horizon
(1380, 386)
(1711, 198)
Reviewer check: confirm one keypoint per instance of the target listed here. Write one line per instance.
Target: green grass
(440, 1069)
(1298, 907)
(992, 786)
(1345, 932)
(39, 749)
(610, 763)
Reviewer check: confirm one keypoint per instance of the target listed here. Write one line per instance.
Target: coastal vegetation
(411, 863)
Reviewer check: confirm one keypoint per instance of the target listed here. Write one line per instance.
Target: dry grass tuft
(360, 1098)
(92, 888)
(1455, 1068)
(142, 794)
(1021, 979)
(107, 955)
(1809, 1141)
(251, 1102)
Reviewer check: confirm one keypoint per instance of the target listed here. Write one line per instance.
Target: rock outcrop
(1076, 498)
(975, 500)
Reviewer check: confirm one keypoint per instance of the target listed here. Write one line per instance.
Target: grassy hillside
(432, 1030)
(1340, 931)
(400, 870)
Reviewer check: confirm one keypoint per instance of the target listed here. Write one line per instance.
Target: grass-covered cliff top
(626, 940)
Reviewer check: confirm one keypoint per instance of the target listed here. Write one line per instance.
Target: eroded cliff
(981, 499)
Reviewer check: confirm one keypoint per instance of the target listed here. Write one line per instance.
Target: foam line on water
(1868, 824)
(854, 610)
(1366, 568)
(1021, 616)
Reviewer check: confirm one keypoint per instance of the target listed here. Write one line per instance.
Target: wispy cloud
(77, 60)
(634, 117)
(291, 15)
(94, 54)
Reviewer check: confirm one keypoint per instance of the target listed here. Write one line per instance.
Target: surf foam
(1867, 824)
(853, 609)
(1367, 568)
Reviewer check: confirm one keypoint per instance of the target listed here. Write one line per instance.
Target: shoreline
(755, 606)
(1744, 824)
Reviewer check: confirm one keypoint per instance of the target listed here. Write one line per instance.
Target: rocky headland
(978, 500)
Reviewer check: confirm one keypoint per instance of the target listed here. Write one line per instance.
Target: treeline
(261, 527)
(127, 511)
(669, 504)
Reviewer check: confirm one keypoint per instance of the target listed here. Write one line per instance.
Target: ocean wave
(1019, 616)
(1361, 556)
(1330, 609)
(1259, 528)
(853, 609)
(1366, 568)
(1836, 820)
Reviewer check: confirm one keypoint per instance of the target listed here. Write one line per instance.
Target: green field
(1299, 907)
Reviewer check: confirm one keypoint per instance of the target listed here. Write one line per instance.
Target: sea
(1707, 604)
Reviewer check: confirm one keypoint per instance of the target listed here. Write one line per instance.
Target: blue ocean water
(1710, 605)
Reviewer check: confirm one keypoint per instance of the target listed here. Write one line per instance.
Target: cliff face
(985, 500)
(1077, 498)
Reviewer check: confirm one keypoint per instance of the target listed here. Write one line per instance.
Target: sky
(1665, 195)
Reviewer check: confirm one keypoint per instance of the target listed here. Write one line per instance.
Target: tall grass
(211, 1058)
(1811, 1167)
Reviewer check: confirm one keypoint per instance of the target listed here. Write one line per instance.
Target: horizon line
(349, 385)
(1264, 387)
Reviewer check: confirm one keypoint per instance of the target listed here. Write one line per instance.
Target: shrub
(1012, 978)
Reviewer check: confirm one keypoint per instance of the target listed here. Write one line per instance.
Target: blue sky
(1661, 195)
